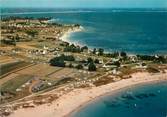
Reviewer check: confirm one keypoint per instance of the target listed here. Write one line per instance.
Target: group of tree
(73, 48)
(100, 51)
(57, 62)
(92, 66)
(17, 38)
(8, 42)
(67, 57)
(89, 60)
(55, 24)
(158, 59)
(24, 18)
(60, 60)
(112, 55)
(79, 66)
(115, 63)
(76, 25)
(123, 54)
(32, 33)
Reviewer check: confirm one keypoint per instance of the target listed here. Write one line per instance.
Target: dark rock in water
(127, 103)
(144, 95)
(112, 104)
(128, 97)
(152, 94)
(127, 106)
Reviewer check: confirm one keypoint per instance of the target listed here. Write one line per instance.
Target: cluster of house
(45, 51)
(34, 85)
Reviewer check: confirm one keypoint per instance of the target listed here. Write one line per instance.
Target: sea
(135, 31)
(149, 100)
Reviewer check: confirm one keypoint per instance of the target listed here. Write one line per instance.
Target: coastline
(76, 99)
(71, 114)
(66, 35)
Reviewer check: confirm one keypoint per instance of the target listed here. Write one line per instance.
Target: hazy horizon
(83, 4)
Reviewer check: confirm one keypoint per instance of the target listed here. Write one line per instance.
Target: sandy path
(74, 99)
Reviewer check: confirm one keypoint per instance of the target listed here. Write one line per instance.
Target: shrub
(57, 62)
(101, 51)
(79, 66)
(89, 60)
(32, 33)
(70, 65)
(96, 61)
(92, 67)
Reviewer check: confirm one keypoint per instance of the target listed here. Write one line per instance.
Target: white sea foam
(66, 35)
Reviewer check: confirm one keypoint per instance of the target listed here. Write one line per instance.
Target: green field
(12, 66)
(15, 83)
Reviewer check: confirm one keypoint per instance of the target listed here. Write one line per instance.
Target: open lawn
(8, 67)
(15, 83)
(40, 70)
(65, 72)
(8, 77)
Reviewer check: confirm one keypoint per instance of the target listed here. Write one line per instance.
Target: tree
(123, 54)
(84, 48)
(94, 51)
(79, 66)
(32, 33)
(160, 59)
(8, 42)
(92, 67)
(70, 65)
(117, 63)
(17, 38)
(96, 61)
(57, 62)
(67, 58)
(146, 57)
(72, 48)
(89, 60)
(101, 51)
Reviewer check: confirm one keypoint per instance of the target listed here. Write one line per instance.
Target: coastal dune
(75, 99)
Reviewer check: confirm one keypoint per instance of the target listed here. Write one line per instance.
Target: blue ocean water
(140, 101)
(141, 31)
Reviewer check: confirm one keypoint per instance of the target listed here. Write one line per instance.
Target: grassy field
(40, 70)
(8, 77)
(15, 83)
(5, 68)
(65, 72)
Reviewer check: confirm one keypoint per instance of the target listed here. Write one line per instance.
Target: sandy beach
(77, 98)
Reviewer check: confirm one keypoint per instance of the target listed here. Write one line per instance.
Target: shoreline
(66, 35)
(75, 100)
(65, 38)
(71, 114)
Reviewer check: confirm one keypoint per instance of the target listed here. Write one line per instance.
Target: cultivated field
(40, 70)
(65, 72)
(9, 64)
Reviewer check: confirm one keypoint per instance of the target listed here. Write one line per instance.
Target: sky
(85, 3)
